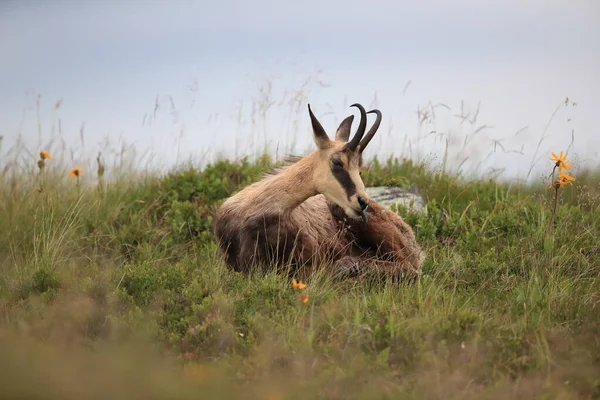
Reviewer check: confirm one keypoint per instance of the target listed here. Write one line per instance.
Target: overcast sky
(217, 61)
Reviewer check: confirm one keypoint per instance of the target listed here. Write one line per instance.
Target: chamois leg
(353, 266)
(388, 245)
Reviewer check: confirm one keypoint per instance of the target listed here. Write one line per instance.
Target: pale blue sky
(110, 60)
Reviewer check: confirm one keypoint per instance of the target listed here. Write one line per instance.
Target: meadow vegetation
(116, 290)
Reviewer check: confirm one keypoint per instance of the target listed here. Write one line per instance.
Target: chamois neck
(281, 193)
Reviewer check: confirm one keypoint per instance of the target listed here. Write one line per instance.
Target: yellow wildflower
(564, 178)
(298, 284)
(44, 155)
(560, 161)
(304, 298)
(76, 172)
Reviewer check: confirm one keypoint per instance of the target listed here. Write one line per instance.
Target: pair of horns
(359, 139)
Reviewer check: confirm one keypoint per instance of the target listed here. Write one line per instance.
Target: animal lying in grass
(315, 212)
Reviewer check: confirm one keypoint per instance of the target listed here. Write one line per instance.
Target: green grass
(120, 293)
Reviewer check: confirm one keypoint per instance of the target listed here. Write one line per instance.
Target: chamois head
(340, 162)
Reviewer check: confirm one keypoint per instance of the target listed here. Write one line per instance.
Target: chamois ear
(343, 131)
(320, 136)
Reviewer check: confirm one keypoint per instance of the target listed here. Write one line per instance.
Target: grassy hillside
(116, 290)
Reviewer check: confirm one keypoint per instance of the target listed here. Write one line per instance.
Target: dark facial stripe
(343, 177)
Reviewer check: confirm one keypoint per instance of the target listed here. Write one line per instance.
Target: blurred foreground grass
(117, 291)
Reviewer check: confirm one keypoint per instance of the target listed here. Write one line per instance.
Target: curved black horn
(351, 145)
(371, 133)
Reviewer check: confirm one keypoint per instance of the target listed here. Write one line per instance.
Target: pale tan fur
(304, 216)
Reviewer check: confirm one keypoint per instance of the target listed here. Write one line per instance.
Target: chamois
(316, 212)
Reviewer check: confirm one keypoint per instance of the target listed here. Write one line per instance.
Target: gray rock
(389, 195)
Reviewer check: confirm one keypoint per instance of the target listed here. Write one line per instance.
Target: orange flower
(298, 284)
(560, 161)
(304, 298)
(76, 172)
(564, 178)
(44, 155)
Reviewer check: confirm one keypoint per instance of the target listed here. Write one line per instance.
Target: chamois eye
(338, 164)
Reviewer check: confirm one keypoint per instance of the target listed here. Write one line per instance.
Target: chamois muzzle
(363, 209)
